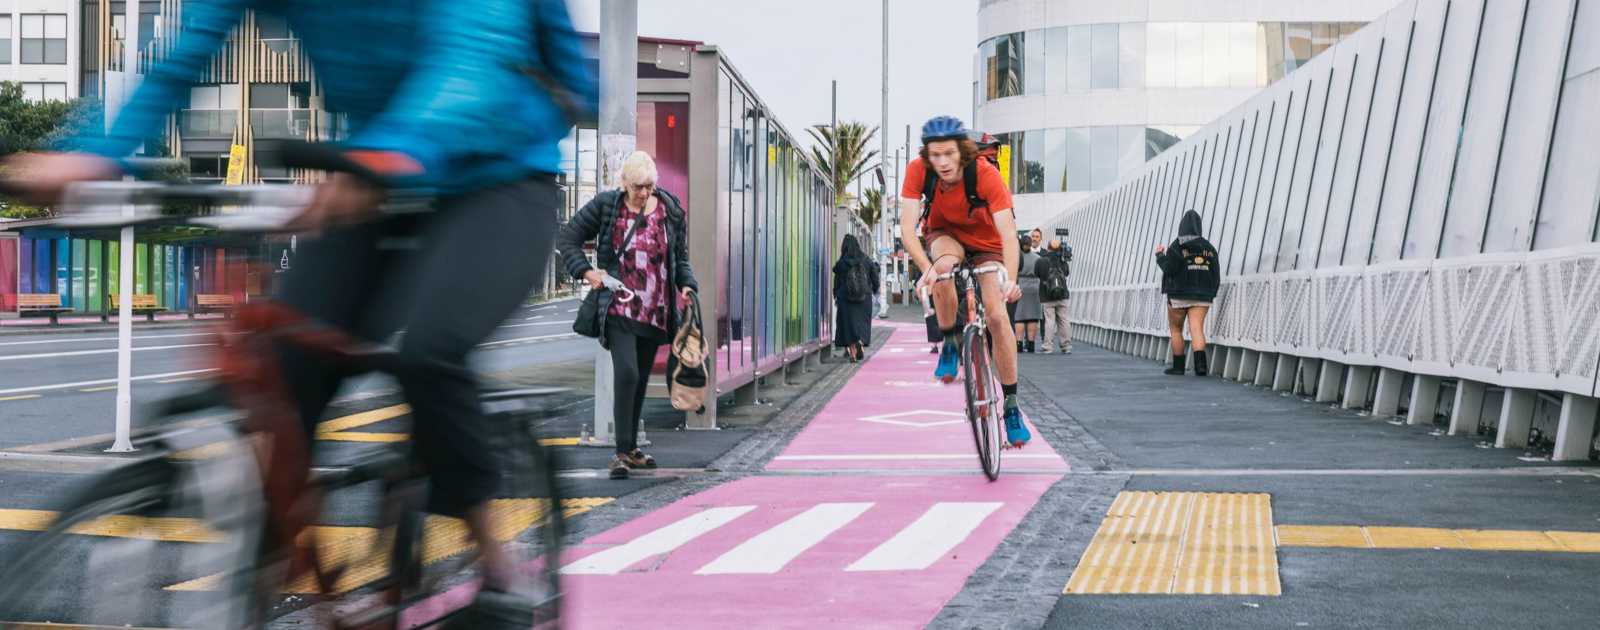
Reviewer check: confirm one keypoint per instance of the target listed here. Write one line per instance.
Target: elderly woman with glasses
(640, 239)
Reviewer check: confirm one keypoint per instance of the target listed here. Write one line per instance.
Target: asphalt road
(57, 387)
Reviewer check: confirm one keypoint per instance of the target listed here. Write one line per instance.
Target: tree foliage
(843, 153)
(871, 208)
(41, 126)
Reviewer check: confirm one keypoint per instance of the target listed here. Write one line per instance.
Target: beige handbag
(687, 381)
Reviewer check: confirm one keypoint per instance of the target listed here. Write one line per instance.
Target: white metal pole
(124, 431)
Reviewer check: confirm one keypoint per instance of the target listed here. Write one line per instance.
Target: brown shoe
(619, 467)
(637, 459)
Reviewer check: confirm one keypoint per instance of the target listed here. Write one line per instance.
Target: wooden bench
(46, 303)
(212, 302)
(145, 304)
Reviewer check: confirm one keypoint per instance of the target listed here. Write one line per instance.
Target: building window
(274, 32)
(44, 39)
(280, 110)
(5, 39)
(208, 168)
(39, 92)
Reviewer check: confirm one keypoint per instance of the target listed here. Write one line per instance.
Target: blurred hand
(1161, 248)
(686, 293)
(595, 278)
(342, 200)
(1013, 292)
(40, 178)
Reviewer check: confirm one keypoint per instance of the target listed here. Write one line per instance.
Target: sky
(790, 50)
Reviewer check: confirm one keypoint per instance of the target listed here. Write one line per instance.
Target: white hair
(638, 168)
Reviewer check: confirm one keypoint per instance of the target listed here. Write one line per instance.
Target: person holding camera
(1053, 269)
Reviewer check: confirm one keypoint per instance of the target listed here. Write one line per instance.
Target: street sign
(235, 166)
(1005, 162)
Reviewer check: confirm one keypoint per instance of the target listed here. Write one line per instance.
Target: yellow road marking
(23, 397)
(364, 549)
(362, 419)
(1374, 537)
(176, 380)
(389, 438)
(166, 529)
(1183, 543)
(103, 388)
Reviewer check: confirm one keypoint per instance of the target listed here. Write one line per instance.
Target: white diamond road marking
(664, 540)
(928, 539)
(895, 418)
(770, 550)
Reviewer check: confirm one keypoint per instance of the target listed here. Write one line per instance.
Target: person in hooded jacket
(1190, 277)
(853, 318)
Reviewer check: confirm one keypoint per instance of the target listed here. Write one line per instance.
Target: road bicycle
(218, 524)
(985, 400)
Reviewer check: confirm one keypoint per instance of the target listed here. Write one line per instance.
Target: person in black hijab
(855, 282)
(1190, 277)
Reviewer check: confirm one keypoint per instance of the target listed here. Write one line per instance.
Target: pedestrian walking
(1190, 278)
(1052, 270)
(1027, 311)
(640, 237)
(855, 282)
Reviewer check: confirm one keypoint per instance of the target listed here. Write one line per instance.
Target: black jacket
(842, 268)
(1189, 266)
(1050, 263)
(596, 218)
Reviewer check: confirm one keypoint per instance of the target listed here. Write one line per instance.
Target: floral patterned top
(643, 267)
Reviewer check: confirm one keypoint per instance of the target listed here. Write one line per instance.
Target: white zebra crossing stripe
(770, 550)
(928, 539)
(664, 540)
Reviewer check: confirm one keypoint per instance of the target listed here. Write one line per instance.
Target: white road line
(523, 339)
(905, 457)
(79, 353)
(926, 540)
(658, 542)
(103, 381)
(535, 324)
(92, 339)
(770, 550)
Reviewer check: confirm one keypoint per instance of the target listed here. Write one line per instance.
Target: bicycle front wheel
(983, 399)
(156, 543)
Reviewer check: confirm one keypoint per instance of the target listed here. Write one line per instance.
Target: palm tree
(871, 208)
(843, 153)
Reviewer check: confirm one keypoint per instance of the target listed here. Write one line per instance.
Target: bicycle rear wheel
(156, 543)
(983, 399)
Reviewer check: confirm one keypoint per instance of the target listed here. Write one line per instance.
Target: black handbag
(592, 313)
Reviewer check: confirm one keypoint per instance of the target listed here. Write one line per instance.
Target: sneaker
(619, 467)
(1016, 431)
(1066, 350)
(496, 609)
(637, 459)
(948, 368)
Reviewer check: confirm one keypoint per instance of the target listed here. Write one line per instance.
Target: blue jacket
(439, 80)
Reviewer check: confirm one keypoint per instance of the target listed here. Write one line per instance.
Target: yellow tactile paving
(1181, 542)
(1322, 536)
(1508, 540)
(1414, 538)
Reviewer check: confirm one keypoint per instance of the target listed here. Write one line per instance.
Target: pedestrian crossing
(917, 546)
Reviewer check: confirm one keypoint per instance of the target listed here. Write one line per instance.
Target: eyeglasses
(642, 187)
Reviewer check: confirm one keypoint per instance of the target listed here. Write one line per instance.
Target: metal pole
(833, 159)
(883, 128)
(124, 442)
(619, 96)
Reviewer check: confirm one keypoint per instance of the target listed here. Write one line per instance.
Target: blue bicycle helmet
(943, 128)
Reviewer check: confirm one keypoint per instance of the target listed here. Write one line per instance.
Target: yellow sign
(772, 155)
(235, 166)
(1005, 163)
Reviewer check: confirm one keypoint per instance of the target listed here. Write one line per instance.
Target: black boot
(1177, 365)
(1200, 363)
(1020, 345)
(1029, 346)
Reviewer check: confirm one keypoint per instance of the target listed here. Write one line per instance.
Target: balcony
(284, 124)
(197, 124)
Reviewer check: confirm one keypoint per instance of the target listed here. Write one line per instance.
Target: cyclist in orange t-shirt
(959, 229)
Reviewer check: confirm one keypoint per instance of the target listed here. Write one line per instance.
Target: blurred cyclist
(465, 98)
(968, 218)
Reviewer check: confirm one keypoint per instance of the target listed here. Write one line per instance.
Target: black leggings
(447, 278)
(632, 357)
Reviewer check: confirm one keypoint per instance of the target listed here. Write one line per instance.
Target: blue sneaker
(1016, 432)
(948, 368)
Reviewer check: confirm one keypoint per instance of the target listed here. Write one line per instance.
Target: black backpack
(858, 282)
(1053, 278)
(969, 182)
